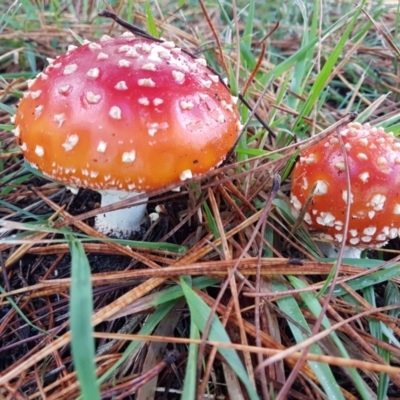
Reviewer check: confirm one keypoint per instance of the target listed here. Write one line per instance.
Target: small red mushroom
(126, 115)
(374, 167)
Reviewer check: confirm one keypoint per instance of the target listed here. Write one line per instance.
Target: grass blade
(200, 311)
(81, 310)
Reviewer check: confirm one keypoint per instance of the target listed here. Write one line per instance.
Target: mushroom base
(122, 222)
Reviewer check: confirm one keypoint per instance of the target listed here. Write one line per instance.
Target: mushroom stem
(332, 251)
(120, 222)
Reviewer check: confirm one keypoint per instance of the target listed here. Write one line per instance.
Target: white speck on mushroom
(64, 88)
(364, 142)
(214, 78)
(333, 140)
(102, 56)
(157, 101)
(146, 48)
(338, 225)
(85, 172)
(38, 111)
(146, 82)
(93, 98)
(326, 219)
(227, 106)
(339, 237)
(132, 53)
(370, 230)
(377, 202)
(30, 82)
(60, 118)
(107, 177)
(43, 76)
(202, 61)
(129, 156)
(152, 132)
(321, 187)
(307, 218)
(144, 101)
(186, 174)
(304, 185)
(93, 73)
(362, 156)
(124, 63)
(70, 142)
(396, 145)
(128, 35)
(393, 232)
(105, 38)
(168, 44)
(39, 151)
(121, 85)
(94, 46)
(364, 176)
(178, 76)
(70, 69)
(206, 83)
(353, 232)
(164, 54)
(23, 146)
(221, 119)
(71, 48)
(396, 210)
(94, 174)
(381, 161)
(371, 214)
(186, 105)
(381, 237)
(308, 160)
(340, 165)
(296, 203)
(124, 48)
(36, 94)
(344, 197)
(149, 67)
(16, 131)
(354, 241)
(203, 96)
(101, 147)
(366, 239)
(115, 112)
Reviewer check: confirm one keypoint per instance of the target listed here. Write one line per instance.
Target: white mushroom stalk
(121, 222)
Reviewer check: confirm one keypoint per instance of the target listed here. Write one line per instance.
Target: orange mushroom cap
(374, 167)
(127, 114)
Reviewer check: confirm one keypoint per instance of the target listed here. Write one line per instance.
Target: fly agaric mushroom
(126, 115)
(374, 166)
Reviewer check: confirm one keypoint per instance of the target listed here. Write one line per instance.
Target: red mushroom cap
(126, 114)
(374, 166)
